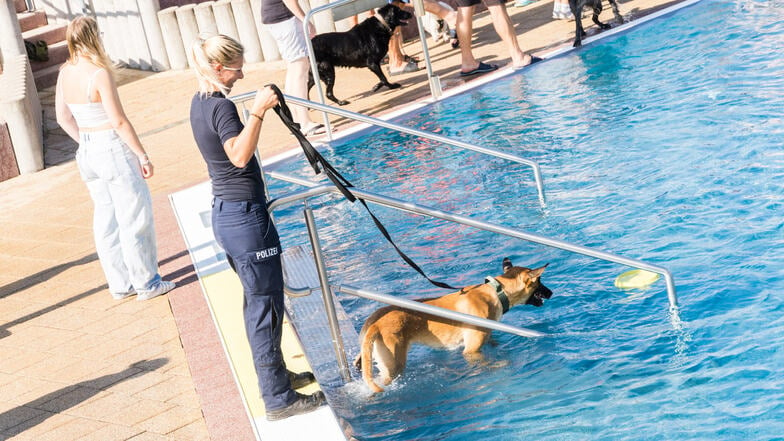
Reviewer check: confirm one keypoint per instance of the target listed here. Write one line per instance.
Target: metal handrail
(414, 208)
(340, 5)
(240, 99)
(424, 308)
(439, 312)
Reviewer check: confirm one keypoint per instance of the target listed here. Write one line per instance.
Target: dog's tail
(366, 357)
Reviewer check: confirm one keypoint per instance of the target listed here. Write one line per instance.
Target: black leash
(315, 159)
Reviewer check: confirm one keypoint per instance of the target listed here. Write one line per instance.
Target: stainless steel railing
(242, 98)
(316, 190)
(320, 189)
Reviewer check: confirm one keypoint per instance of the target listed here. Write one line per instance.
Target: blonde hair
(84, 40)
(209, 50)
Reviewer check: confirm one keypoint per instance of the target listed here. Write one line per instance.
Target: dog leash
(315, 159)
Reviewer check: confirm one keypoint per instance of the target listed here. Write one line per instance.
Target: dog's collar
(499, 290)
(382, 21)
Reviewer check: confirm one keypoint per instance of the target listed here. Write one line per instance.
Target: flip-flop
(482, 68)
(409, 67)
(534, 59)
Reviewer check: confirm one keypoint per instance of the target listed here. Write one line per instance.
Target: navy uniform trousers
(246, 232)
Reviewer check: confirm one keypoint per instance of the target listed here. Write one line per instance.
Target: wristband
(257, 116)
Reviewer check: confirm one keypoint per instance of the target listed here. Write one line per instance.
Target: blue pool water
(664, 144)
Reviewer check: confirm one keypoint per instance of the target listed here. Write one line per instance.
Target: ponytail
(208, 51)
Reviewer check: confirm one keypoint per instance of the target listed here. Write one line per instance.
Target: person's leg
(246, 233)
(293, 48)
(105, 232)
(133, 210)
(465, 27)
(396, 56)
(505, 29)
(297, 86)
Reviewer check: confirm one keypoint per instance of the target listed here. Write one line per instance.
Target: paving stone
(71, 396)
(72, 430)
(105, 407)
(111, 432)
(33, 429)
(139, 411)
(195, 431)
(171, 420)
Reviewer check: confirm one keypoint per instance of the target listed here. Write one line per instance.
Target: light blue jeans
(122, 222)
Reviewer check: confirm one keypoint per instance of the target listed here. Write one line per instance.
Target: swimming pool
(662, 144)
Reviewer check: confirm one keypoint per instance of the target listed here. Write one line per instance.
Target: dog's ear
(535, 274)
(506, 264)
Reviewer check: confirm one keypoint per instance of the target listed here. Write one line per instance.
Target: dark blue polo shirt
(214, 120)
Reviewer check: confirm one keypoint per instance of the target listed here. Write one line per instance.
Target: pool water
(664, 144)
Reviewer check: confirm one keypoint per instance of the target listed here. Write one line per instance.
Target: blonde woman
(240, 221)
(112, 163)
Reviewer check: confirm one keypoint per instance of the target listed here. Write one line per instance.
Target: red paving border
(223, 410)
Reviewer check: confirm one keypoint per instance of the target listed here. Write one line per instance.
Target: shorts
(467, 3)
(290, 38)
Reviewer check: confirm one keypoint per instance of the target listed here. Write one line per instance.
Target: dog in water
(364, 45)
(577, 9)
(389, 332)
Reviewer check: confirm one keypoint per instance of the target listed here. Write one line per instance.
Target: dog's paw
(394, 85)
(376, 87)
(342, 102)
(605, 26)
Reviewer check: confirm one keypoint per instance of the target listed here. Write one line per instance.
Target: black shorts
(467, 3)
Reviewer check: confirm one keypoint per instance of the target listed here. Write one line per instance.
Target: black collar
(499, 290)
(382, 21)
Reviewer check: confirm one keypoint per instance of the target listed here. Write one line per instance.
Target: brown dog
(389, 332)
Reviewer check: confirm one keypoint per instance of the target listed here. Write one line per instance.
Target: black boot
(302, 379)
(303, 404)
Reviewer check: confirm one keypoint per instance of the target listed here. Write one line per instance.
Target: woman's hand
(147, 170)
(265, 100)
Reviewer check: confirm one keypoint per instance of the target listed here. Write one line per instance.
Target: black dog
(364, 45)
(577, 9)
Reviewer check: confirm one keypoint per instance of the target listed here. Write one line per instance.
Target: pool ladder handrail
(316, 190)
(241, 99)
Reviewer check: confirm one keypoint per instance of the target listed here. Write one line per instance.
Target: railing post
(326, 294)
(435, 83)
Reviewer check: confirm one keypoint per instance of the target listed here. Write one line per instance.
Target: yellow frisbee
(635, 279)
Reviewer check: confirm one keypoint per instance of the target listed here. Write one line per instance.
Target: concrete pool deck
(77, 365)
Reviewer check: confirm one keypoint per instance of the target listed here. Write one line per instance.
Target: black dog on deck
(577, 9)
(364, 45)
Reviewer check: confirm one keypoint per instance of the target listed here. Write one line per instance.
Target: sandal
(411, 66)
(317, 129)
(406, 58)
(482, 68)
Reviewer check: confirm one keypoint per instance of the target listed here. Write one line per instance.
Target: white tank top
(90, 114)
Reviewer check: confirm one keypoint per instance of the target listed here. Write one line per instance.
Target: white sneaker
(123, 295)
(161, 288)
